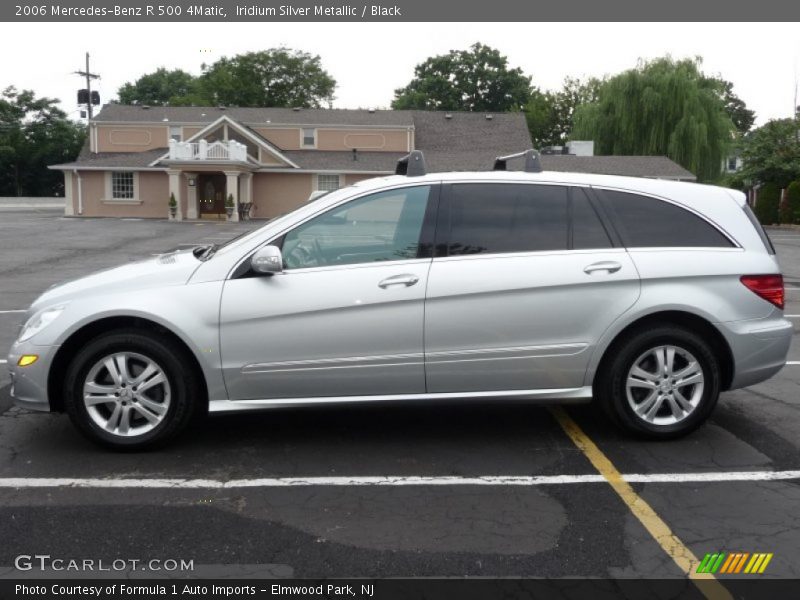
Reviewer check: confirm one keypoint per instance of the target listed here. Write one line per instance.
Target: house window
(732, 163)
(122, 185)
(309, 138)
(175, 133)
(328, 183)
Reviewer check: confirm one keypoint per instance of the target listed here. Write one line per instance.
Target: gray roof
(659, 167)
(325, 160)
(468, 141)
(132, 160)
(253, 116)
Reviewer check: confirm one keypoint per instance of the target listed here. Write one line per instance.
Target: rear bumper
(759, 348)
(29, 384)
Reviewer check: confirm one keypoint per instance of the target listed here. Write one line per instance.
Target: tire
(646, 401)
(102, 398)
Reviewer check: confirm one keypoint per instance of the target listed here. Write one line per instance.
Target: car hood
(173, 268)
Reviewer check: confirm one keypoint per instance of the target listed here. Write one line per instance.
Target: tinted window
(647, 222)
(489, 217)
(379, 227)
(587, 229)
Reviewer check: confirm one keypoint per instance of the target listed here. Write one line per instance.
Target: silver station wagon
(649, 296)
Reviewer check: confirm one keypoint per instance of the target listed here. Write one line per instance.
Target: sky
(370, 60)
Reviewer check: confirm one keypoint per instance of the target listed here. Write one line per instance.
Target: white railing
(202, 150)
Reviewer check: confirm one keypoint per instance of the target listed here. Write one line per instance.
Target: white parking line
(793, 362)
(384, 481)
(11, 311)
(3, 361)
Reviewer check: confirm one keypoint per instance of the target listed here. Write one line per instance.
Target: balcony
(202, 150)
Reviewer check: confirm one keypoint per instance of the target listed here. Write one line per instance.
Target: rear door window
(490, 218)
(646, 222)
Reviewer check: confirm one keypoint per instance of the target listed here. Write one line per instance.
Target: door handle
(405, 279)
(606, 265)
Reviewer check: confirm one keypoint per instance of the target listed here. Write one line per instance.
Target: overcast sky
(370, 60)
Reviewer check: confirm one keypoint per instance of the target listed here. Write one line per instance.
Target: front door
(345, 318)
(528, 282)
(211, 195)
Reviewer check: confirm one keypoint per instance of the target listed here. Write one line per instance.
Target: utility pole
(89, 76)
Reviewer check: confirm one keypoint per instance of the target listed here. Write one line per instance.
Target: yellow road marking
(764, 564)
(656, 527)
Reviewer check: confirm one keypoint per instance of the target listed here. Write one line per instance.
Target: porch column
(232, 189)
(69, 208)
(247, 188)
(191, 199)
(175, 188)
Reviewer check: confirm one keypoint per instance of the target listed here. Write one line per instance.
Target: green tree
(160, 88)
(742, 117)
(551, 114)
(274, 77)
(540, 115)
(661, 107)
(478, 79)
(771, 153)
(34, 134)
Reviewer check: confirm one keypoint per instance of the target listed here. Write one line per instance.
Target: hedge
(768, 204)
(792, 204)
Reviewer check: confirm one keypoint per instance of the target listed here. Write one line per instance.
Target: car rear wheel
(129, 390)
(662, 382)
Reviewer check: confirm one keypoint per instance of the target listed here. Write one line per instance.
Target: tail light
(769, 287)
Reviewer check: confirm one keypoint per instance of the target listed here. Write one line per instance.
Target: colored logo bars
(734, 562)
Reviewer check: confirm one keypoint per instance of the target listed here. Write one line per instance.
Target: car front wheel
(661, 382)
(130, 390)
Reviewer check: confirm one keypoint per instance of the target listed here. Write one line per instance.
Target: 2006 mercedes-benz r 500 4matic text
(649, 296)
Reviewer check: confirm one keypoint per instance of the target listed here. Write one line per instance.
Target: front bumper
(759, 348)
(29, 384)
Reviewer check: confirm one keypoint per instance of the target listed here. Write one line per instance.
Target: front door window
(385, 226)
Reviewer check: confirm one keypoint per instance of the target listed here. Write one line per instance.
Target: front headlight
(39, 321)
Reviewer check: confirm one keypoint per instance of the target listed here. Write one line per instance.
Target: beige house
(269, 158)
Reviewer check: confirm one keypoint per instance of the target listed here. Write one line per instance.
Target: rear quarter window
(759, 229)
(646, 222)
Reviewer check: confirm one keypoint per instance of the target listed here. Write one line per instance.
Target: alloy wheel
(126, 394)
(665, 385)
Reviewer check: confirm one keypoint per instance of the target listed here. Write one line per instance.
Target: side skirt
(580, 395)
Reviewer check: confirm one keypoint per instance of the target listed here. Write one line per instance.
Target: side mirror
(267, 261)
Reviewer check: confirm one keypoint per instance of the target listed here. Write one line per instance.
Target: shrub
(767, 204)
(792, 204)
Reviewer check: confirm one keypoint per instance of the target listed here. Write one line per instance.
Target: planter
(173, 210)
(229, 211)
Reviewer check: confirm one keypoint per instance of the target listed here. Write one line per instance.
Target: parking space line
(12, 311)
(793, 362)
(390, 481)
(3, 361)
(682, 556)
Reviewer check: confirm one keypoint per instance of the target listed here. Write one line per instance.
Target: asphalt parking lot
(490, 490)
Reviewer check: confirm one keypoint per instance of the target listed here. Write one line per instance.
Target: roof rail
(532, 162)
(411, 165)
